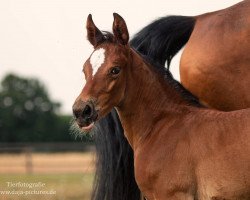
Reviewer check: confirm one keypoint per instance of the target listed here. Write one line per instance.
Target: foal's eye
(115, 70)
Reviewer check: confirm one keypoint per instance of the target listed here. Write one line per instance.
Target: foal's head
(105, 73)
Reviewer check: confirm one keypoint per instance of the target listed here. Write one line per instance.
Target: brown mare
(215, 64)
(181, 150)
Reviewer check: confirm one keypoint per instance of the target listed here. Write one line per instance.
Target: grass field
(65, 186)
(69, 176)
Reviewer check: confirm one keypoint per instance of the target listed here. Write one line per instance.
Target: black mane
(165, 72)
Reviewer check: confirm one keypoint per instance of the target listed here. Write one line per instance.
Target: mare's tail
(161, 40)
(114, 179)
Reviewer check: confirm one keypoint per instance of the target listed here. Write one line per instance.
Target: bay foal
(181, 150)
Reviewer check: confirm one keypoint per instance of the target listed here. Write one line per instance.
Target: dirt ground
(47, 163)
(68, 175)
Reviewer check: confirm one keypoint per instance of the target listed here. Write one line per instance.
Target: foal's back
(221, 148)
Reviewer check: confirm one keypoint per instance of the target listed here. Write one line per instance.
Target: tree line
(27, 113)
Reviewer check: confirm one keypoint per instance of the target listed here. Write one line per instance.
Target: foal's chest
(161, 175)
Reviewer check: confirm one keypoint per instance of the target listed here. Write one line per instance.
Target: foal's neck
(148, 100)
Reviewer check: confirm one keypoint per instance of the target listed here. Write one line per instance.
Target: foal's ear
(120, 29)
(93, 33)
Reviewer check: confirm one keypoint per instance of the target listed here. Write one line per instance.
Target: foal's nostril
(87, 111)
(84, 112)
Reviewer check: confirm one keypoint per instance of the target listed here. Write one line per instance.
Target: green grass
(67, 186)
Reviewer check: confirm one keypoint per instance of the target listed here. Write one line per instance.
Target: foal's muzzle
(85, 114)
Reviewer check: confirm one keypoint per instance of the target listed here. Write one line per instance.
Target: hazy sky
(47, 38)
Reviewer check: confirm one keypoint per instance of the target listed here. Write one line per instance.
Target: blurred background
(43, 48)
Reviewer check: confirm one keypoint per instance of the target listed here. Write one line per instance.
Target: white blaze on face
(97, 59)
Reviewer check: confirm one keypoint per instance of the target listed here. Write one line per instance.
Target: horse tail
(161, 40)
(114, 178)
